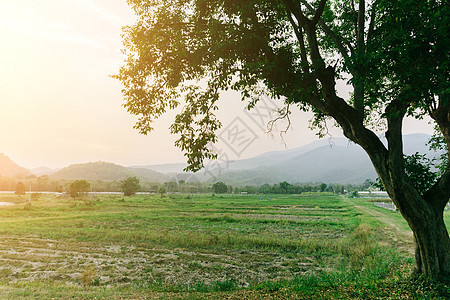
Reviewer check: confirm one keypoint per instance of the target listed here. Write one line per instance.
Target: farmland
(312, 245)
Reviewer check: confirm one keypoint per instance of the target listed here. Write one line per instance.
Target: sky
(59, 105)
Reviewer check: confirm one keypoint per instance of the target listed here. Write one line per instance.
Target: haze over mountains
(8, 168)
(333, 160)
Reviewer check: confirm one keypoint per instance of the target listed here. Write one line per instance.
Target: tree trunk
(424, 214)
(432, 243)
(426, 221)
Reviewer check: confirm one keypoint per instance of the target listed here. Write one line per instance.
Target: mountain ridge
(8, 168)
(334, 160)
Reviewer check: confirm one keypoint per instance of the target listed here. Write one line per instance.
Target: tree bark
(430, 235)
(425, 217)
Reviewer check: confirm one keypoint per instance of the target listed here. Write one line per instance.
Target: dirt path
(394, 232)
(385, 219)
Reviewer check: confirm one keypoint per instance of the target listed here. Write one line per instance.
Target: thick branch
(299, 34)
(358, 71)
(372, 22)
(439, 193)
(319, 12)
(442, 117)
(296, 10)
(394, 115)
(338, 40)
(361, 23)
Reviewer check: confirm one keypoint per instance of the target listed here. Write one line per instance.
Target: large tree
(395, 55)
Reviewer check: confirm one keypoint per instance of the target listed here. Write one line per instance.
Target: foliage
(249, 46)
(418, 168)
(130, 186)
(220, 187)
(20, 188)
(438, 144)
(79, 188)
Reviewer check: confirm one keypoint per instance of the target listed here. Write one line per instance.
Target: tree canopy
(20, 188)
(79, 188)
(394, 54)
(130, 186)
(220, 187)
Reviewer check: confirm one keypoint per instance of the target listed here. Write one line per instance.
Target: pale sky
(59, 106)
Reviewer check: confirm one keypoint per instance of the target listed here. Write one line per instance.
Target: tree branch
(439, 193)
(319, 12)
(361, 22)
(338, 40)
(372, 22)
(299, 34)
(296, 10)
(283, 116)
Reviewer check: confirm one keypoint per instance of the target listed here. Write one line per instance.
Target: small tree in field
(20, 188)
(130, 186)
(220, 187)
(162, 190)
(79, 188)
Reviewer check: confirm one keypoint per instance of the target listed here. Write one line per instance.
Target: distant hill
(43, 171)
(327, 164)
(8, 168)
(105, 171)
(164, 168)
(335, 160)
(148, 175)
(330, 160)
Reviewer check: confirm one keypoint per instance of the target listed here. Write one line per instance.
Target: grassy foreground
(311, 246)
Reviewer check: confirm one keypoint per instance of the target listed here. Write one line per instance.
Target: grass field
(312, 246)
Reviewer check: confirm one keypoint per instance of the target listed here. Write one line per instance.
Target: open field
(319, 246)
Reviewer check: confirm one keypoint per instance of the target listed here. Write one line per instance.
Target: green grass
(202, 247)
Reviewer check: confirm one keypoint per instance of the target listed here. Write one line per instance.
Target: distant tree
(220, 187)
(79, 188)
(367, 184)
(285, 186)
(20, 188)
(230, 189)
(162, 190)
(171, 186)
(323, 186)
(265, 188)
(130, 186)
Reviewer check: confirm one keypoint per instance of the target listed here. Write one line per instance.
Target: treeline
(48, 184)
(287, 188)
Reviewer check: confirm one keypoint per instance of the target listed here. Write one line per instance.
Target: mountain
(334, 160)
(331, 161)
(148, 175)
(327, 164)
(265, 159)
(8, 168)
(106, 171)
(164, 168)
(43, 171)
